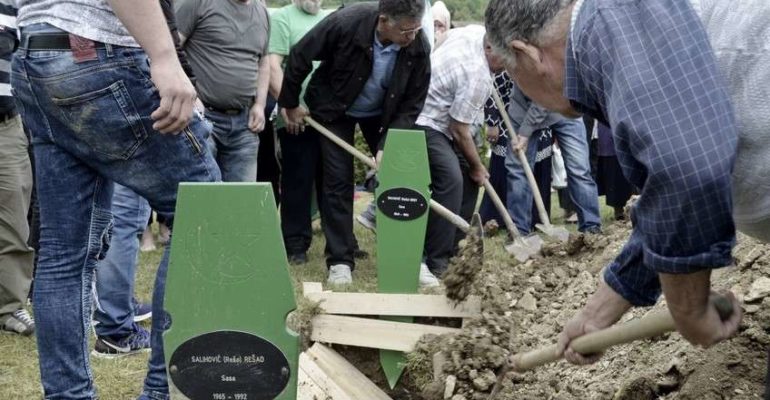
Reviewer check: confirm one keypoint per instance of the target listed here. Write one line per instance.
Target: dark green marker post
(402, 216)
(228, 293)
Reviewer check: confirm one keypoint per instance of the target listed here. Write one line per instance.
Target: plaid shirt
(460, 81)
(646, 69)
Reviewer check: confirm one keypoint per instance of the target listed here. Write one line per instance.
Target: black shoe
(137, 342)
(297, 258)
(359, 254)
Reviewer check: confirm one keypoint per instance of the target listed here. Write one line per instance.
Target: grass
(122, 378)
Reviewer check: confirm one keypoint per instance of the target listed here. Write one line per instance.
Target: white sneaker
(427, 279)
(339, 274)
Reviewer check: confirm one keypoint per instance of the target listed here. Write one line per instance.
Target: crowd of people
(112, 104)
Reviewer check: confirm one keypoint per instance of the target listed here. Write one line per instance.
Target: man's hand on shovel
(587, 347)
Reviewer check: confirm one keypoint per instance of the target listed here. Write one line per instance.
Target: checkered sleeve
(651, 68)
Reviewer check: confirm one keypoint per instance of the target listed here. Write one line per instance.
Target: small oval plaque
(402, 204)
(229, 365)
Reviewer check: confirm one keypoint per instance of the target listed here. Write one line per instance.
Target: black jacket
(343, 43)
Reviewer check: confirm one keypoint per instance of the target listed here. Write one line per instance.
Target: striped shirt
(7, 44)
(646, 69)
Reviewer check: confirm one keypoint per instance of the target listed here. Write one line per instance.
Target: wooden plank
(307, 389)
(327, 385)
(351, 380)
(312, 287)
(413, 305)
(377, 334)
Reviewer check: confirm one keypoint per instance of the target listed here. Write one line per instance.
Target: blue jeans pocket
(106, 120)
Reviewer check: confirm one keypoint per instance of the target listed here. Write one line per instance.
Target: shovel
(455, 219)
(556, 232)
(651, 325)
(521, 248)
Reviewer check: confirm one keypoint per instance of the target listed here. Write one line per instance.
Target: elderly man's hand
(604, 308)
(696, 318)
(478, 174)
(294, 117)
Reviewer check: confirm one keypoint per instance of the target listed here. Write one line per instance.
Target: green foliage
(359, 168)
(466, 11)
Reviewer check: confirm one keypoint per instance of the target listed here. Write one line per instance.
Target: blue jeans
(571, 135)
(115, 274)
(234, 146)
(90, 126)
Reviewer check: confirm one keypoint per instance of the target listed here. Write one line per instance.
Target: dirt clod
(464, 268)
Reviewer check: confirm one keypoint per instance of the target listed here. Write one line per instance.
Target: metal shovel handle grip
(455, 219)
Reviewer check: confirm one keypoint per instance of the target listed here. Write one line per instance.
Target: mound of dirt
(526, 305)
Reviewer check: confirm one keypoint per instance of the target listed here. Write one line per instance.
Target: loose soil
(526, 305)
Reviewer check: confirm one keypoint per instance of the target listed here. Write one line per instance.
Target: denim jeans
(115, 274)
(571, 136)
(234, 146)
(90, 126)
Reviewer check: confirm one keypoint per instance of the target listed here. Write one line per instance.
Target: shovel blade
(523, 249)
(555, 232)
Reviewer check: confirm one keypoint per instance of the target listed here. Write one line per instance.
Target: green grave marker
(402, 216)
(228, 293)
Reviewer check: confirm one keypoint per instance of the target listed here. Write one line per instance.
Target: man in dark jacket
(374, 72)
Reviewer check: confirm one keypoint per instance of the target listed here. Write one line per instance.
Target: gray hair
(397, 9)
(531, 21)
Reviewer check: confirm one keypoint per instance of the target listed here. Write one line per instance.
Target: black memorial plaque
(229, 365)
(402, 204)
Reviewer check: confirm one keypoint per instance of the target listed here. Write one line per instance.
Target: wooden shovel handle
(501, 209)
(522, 159)
(651, 325)
(455, 219)
(345, 145)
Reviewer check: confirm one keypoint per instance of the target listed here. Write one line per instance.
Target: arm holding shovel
(464, 141)
(687, 296)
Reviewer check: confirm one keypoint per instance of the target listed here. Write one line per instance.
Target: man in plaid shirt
(460, 83)
(647, 70)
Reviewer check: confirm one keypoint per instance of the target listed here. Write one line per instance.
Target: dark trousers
(300, 169)
(337, 204)
(451, 187)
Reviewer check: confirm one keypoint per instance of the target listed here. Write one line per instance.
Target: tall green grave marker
(402, 215)
(228, 293)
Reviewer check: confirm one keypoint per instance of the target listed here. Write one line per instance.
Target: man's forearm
(145, 21)
(462, 137)
(263, 81)
(276, 74)
(687, 295)
(606, 306)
